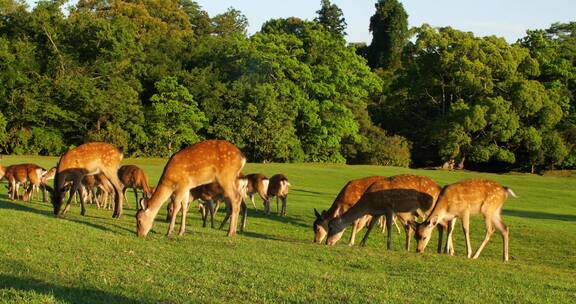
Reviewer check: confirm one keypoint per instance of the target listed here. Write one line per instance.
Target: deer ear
(317, 214)
(433, 220)
(143, 203)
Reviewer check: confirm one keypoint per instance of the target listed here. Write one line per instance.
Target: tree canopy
(152, 76)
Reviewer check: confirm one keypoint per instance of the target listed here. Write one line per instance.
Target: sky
(504, 18)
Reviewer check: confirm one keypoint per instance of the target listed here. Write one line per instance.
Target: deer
(346, 198)
(277, 187)
(209, 194)
(404, 195)
(465, 198)
(196, 165)
(87, 159)
(133, 177)
(29, 175)
(257, 183)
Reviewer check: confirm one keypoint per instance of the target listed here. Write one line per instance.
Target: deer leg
(244, 211)
(233, 200)
(212, 211)
(372, 223)
(185, 204)
(28, 192)
(489, 230)
(203, 212)
(466, 228)
(440, 235)
(267, 207)
(227, 216)
(355, 229)
(408, 231)
(277, 210)
(394, 217)
(449, 249)
(82, 203)
(284, 199)
(505, 236)
(43, 188)
(389, 220)
(177, 203)
(112, 176)
(252, 200)
(73, 189)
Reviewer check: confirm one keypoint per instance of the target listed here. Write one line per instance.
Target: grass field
(96, 259)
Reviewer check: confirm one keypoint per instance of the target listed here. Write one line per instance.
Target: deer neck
(158, 198)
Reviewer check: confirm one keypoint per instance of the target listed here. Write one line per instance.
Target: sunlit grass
(96, 259)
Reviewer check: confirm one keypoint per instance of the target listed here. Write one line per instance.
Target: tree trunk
(461, 163)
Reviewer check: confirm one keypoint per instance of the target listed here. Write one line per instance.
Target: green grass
(96, 259)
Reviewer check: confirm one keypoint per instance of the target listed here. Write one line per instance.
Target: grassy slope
(96, 259)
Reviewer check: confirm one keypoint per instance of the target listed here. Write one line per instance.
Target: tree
(331, 17)
(389, 27)
(174, 118)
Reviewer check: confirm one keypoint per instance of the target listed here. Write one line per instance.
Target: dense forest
(152, 76)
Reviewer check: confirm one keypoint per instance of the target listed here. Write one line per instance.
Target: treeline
(152, 76)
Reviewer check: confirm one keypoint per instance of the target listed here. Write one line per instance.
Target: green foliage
(174, 118)
(152, 76)
(332, 18)
(389, 27)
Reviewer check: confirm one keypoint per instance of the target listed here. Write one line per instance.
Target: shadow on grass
(541, 215)
(274, 217)
(29, 207)
(308, 193)
(61, 293)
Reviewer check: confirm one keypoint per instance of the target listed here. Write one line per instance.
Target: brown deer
(29, 175)
(347, 197)
(465, 198)
(196, 165)
(133, 177)
(87, 159)
(257, 183)
(277, 187)
(210, 194)
(404, 195)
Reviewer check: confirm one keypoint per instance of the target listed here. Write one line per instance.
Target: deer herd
(211, 171)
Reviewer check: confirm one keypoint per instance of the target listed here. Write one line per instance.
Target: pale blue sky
(504, 18)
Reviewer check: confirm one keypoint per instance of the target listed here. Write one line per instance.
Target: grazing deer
(403, 195)
(29, 175)
(347, 197)
(257, 183)
(196, 165)
(87, 159)
(460, 200)
(277, 187)
(133, 177)
(209, 194)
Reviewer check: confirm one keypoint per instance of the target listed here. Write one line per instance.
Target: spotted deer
(277, 187)
(196, 165)
(133, 177)
(347, 197)
(87, 159)
(407, 196)
(27, 175)
(465, 198)
(211, 195)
